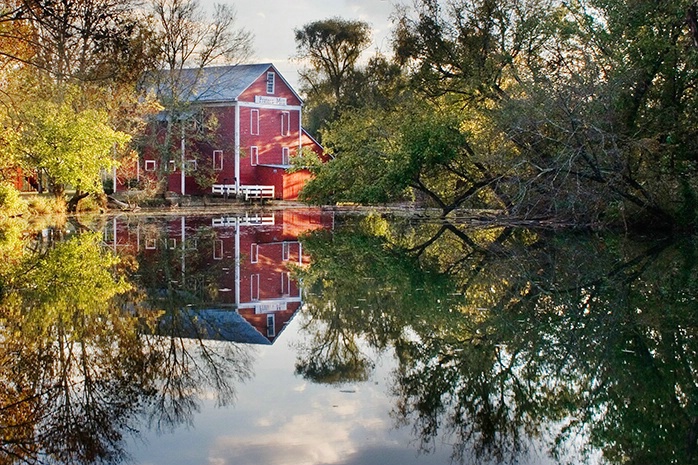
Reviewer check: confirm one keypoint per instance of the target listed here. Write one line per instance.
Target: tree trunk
(73, 202)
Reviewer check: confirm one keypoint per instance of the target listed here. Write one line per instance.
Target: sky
(272, 22)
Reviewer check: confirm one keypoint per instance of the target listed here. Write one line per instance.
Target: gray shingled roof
(216, 83)
(210, 324)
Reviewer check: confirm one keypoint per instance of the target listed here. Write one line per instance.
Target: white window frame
(217, 160)
(271, 82)
(285, 251)
(254, 122)
(254, 155)
(285, 156)
(172, 243)
(218, 249)
(285, 123)
(271, 325)
(173, 166)
(285, 283)
(254, 253)
(254, 287)
(151, 244)
(192, 165)
(150, 165)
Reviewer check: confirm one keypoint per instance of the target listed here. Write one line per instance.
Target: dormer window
(271, 78)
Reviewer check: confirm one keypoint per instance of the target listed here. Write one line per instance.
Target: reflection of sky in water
(280, 418)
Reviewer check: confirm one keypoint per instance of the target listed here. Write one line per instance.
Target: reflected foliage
(358, 289)
(79, 363)
(68, 376)
(516, 341)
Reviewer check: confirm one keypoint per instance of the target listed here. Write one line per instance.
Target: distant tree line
(584, 112)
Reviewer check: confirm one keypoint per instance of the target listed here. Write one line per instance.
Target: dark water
(304, 337)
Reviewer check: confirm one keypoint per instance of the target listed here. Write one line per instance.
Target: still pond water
(309, 337)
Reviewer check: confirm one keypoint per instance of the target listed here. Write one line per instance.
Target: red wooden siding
(269, 124)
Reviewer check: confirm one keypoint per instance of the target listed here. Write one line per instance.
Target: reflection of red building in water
(224, 268)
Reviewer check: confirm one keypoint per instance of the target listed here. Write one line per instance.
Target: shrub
(46, 205)
(11, 203)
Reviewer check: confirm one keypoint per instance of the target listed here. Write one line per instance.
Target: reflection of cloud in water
(334, 431)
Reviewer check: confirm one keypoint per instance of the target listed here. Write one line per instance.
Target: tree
(584, 112)
(189, 41)
(79, 371)
(414, 148)
(78, 40)
(68, 146)
(508, 339)
(80, 60)
(331, 48)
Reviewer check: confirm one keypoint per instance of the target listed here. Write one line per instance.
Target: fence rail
(248, 192)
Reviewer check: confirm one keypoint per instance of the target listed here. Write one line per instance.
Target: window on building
(191, 165)
(285, 251)
(285, 160)
(254, 156)
(218, 249)
(150, 165)
(285, 283)
(271, 326)
(217, 160)
(173, 166)
(172, 244)
(198, 122)
(285, 123)
(254, 253)
(254, 287)
(254, 122)
(271, 84)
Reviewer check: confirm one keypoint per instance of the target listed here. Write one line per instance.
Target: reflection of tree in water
(77, 371)
(333, 355)
(190, 359)
(190, 368)
(65, 395)
(510, 339)
(356, 290)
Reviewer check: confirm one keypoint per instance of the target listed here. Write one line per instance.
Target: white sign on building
(266, 100)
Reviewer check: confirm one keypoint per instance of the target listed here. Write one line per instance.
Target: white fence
(247, 220)
(248, 192)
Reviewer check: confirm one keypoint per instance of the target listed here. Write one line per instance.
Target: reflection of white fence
(270, 305)
(247, 220)
(249, 192)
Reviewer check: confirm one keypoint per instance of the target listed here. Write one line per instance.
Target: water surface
(307, 337)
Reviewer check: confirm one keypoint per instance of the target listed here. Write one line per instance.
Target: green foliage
(10, 202)
(306, 159)
(71, 147)
(362, 146)
(503, 337)
(566, 110)
(79, 373)
(84, 273)
(384, 155)
(332, 48)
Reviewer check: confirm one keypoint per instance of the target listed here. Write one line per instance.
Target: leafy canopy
(70, 146)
